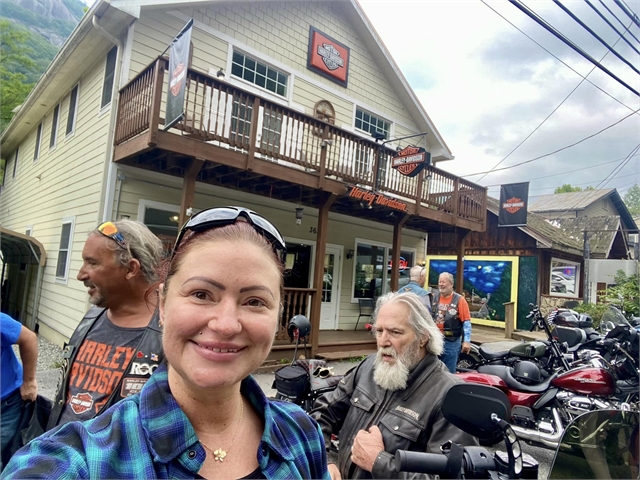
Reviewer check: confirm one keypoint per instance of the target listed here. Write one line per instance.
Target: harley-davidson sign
(328, 57)
(410, 161)
(372, 198)
(513, 204)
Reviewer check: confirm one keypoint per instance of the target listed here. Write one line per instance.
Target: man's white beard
(394, 376)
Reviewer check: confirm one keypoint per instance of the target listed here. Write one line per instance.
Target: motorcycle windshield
(599, 444)
(614, 316)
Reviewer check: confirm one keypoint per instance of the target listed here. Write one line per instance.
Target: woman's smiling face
(219, 312)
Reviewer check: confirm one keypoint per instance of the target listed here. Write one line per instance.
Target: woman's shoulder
(290, 415)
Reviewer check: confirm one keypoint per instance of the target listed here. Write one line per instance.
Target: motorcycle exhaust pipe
(549, 440)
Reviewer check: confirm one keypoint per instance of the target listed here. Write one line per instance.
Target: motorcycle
(542, 408)
(598, 444)
(304, 380)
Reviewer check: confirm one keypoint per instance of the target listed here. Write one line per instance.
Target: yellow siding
(65, 181)
(279, 31)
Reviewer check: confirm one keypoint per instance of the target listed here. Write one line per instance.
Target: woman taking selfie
(202, 414)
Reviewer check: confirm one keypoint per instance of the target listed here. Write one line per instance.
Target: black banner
(514, 199)
(178, 66)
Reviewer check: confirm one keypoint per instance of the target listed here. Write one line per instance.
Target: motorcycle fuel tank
(587, 381)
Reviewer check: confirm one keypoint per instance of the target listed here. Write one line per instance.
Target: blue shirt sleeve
(466, 330)
(9, 330)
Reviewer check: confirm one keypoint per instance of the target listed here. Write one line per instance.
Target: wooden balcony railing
(297, 301)
(227, 116)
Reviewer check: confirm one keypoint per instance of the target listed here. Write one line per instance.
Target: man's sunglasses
(221, 216)
(109, 229)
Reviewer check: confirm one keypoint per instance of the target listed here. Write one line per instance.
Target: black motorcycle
(304, 380)
(598, 444)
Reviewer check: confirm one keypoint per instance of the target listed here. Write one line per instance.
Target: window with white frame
(259, 74)
(371, 123)
(36, 150)
(109, 73)
(54, 126)
(73, 110)
(15, 162)
(565, 278)
(64, 250)
(373, 268)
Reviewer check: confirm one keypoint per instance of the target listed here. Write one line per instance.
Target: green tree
(567, 188)
(15, 60)
(632, 200)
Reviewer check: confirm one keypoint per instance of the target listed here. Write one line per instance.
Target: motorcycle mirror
(469, 407)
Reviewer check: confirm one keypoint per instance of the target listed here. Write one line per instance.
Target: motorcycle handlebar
(418, 462)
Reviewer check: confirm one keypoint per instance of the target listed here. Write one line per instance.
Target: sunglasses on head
(109, 229)
(221, 216)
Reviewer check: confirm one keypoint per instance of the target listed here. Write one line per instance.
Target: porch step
(344, 355)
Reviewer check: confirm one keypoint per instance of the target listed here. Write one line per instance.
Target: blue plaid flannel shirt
(149, 436)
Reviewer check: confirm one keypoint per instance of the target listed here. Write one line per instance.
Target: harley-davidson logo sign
(513, 205)
(328, 57)
(177, 78)
(409, 161)
(81, 402)
(376, 198)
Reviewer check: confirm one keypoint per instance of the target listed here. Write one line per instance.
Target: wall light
(349, 254)
(220, 74)
(299, 212)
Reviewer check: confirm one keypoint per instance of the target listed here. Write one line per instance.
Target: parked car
(561, 283)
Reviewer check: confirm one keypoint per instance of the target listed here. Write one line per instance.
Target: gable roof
(33, 108)
(578, 201)
(602, 232)
(546, 234)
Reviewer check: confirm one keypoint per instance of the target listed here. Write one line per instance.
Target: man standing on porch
(418, 276)
(453, 318)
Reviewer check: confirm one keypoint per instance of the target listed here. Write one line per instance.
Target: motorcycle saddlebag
(292, 381)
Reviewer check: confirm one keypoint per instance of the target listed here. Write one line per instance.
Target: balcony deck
(249, 143)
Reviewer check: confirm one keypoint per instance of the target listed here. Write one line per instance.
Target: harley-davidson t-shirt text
(101, 362)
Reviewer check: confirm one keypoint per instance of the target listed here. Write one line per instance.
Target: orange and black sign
(178, 67)
(410, 161)
(513, 205)
(328, 57)
(372, 198)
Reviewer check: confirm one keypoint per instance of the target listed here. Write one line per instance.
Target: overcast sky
(486, 87)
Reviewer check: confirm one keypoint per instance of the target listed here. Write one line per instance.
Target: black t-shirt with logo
(101, 362)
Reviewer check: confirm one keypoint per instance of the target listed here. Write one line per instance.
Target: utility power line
(595, 35)
(606, 20)
(534, 16)
(555, 151)
(620, 21)
(629, 13)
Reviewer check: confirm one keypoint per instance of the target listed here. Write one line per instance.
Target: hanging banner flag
(411, 160)
(514, 199)
(178, 67)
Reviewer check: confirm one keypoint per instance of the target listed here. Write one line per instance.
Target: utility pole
(585, 282)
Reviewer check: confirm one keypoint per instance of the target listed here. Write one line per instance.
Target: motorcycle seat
(505, 373)
(492, 355)
(569, 335)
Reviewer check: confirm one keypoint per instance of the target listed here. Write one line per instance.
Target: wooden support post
(253, 135)
(318, 273)
(326, 133)
(419, 191)
(461, 235)
(156, 102)
(509, 319)
(455, 199)
(397, 246)
(189, 189)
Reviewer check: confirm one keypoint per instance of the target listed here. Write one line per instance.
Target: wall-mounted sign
(410, 160)
(328, 57)
(513, 205)
(376, 199)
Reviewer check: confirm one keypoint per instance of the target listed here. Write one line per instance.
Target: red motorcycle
(542, 409)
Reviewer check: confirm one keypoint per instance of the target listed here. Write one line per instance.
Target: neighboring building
(510, 264)
(272, 123)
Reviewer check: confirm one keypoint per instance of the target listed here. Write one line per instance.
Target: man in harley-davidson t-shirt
(118, 344)
(453, 318)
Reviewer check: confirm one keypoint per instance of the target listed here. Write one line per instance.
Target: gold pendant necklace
(220, 454)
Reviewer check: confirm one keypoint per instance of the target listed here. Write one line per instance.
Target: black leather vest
(452, 323)
(137, 371)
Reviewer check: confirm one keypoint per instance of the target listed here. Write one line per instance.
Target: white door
(331, 288)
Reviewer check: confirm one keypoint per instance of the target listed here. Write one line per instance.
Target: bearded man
(392, 400)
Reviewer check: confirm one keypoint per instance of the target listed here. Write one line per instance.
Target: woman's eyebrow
(257, 287)
(206, 280)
